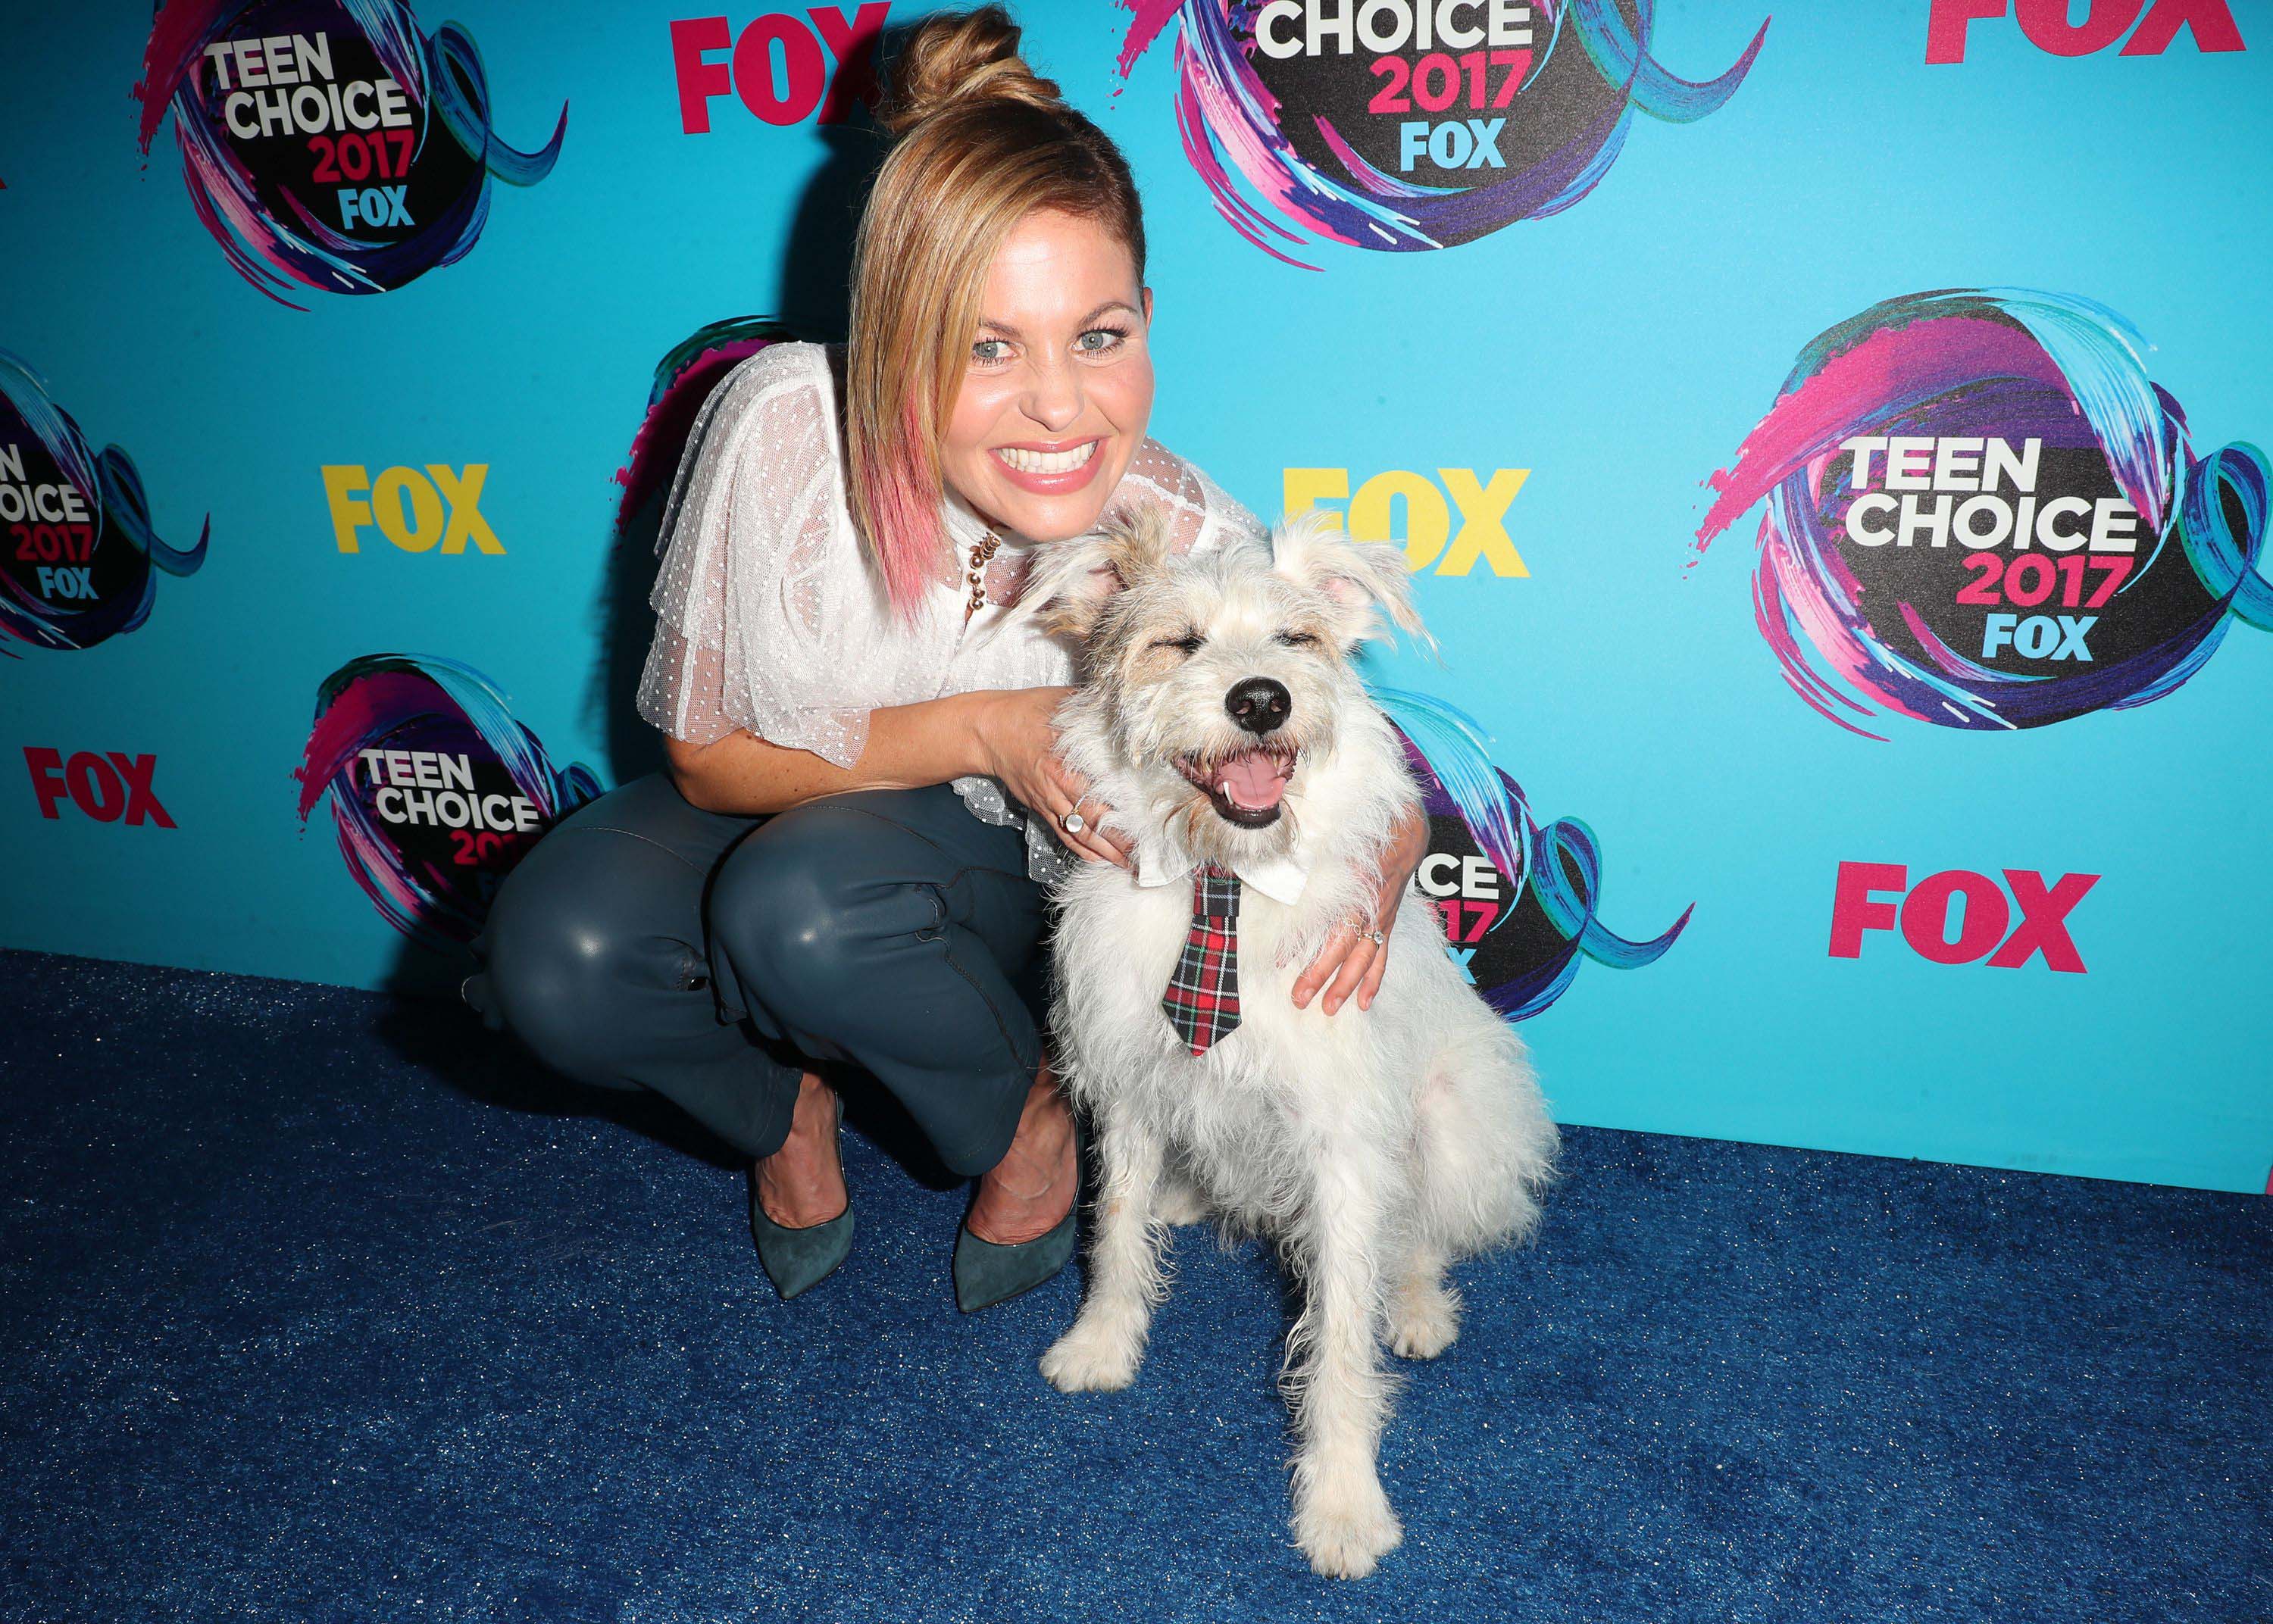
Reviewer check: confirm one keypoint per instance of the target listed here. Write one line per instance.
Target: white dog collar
(1281, 878)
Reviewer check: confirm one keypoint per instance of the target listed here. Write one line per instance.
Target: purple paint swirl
(684, 379)
(1519, 900)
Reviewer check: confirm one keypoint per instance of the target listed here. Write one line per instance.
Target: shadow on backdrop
(812, 295)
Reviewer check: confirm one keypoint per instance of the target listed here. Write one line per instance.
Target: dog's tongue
(1252, 781)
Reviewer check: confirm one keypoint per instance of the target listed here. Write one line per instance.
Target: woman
(845, 861)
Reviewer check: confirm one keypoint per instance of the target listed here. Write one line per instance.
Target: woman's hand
(1017, 745)
(1352, 960)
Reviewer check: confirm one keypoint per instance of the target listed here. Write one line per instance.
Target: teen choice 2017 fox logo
(1982, 513)
(329, 143)
(79, 558)
(437, 792)
(1405, 124)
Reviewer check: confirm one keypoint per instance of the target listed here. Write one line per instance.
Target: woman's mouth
(1248, 787)
(1049, 468)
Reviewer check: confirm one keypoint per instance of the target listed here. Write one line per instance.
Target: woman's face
(1057, 386)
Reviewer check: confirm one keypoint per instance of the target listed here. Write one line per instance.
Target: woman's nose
(1054, 396)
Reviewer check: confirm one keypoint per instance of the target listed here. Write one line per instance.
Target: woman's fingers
(1371, 985)
(1325, 966)
(1092, 839)
(1360, 959)
(1096, 840)
(1374, 972)
(1329, 959)
(1088, 840)
(1351, 964)
(1085, 841)
(1125, 850)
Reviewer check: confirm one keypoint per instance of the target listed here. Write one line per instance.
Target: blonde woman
(846, 861)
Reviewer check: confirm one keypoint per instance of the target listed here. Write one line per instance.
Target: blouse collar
(962, 524)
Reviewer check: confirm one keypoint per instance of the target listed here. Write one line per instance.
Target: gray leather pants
(645, 943)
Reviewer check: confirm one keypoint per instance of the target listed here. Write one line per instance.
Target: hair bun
(957, 57)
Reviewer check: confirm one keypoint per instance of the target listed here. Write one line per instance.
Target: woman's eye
(987, 351)
(1298, 640)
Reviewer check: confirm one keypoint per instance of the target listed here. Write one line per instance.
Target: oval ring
(1074, 823)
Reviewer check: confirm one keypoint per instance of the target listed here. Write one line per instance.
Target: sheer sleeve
(1200, 513)
(752, 555)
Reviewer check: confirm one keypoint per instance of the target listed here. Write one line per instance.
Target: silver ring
(1074, 823)
(1380, 939)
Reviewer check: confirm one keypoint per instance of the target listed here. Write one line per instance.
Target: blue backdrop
(1633, 272)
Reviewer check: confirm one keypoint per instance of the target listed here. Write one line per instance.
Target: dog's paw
(1423, 1323)
(1085, 1360)
(1347, 1529)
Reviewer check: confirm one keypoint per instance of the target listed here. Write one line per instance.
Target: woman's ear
(1312, 550)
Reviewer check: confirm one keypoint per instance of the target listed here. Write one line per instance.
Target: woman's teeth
(1046, 462)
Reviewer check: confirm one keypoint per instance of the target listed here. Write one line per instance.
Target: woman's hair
(981, 142)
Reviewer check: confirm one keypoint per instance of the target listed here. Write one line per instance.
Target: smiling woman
(1047, 250)
(846, 861)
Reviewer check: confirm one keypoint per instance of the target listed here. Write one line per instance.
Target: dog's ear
(1312, 550)
(1073, 580)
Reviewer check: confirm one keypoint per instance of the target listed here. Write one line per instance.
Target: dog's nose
(1258, 704)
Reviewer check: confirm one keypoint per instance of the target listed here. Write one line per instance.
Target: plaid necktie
(1203, 997)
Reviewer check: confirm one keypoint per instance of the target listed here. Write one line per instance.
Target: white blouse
(771, 615)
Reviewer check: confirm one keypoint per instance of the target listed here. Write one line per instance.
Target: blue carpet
(324, 1305)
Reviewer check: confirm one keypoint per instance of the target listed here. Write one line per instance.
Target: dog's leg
(1101, 1351)
(1342, 1518)
(1424, 1311)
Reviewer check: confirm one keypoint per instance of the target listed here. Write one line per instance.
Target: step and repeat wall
(1824, 444)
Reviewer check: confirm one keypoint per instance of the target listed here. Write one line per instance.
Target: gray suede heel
(797, 1259)
(986, 1273)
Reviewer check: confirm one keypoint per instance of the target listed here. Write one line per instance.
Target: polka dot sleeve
(744, 635)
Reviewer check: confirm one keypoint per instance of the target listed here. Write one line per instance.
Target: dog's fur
(1372, 1145)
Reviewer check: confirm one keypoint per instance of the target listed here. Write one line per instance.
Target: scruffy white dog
(1220, 719)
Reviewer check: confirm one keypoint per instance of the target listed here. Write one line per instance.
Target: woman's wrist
(976, 716)
(1409, 845)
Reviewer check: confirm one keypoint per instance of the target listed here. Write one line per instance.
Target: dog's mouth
(1246, 787)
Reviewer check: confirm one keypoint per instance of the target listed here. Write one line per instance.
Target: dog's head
(1218, 685)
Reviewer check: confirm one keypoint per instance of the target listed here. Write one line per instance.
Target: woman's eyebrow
(992, 324)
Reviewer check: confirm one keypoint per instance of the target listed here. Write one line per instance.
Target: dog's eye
(1298, 640)
(1189, 643)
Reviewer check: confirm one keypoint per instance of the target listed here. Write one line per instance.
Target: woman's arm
(1001, 733)
(907, 747)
